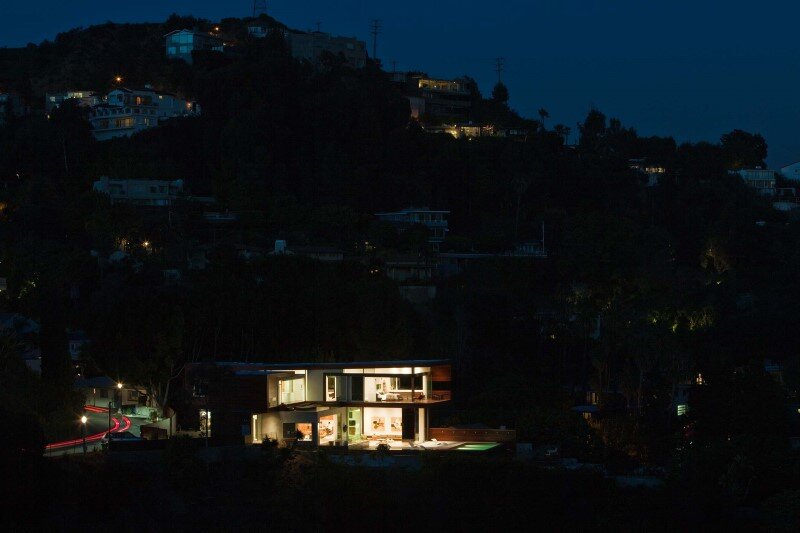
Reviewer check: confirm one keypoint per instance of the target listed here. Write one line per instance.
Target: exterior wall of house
(10, 106)
(310, 46)
(156, 193)
(436, 222)
(181, 44)
(791, 172)
(761, 179)
(315, 385)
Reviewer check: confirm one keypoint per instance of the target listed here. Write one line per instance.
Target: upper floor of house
(303, 385)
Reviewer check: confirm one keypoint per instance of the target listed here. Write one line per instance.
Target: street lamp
(110, 403)
(83, 432)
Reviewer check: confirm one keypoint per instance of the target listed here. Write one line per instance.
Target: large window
(330, 388)
(123, 122)
(205, 422)
(292, 390)
(384, 388)
(328, 429)
(300, 431)
(383, 422)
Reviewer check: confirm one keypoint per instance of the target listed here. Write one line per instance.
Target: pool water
(478, 446)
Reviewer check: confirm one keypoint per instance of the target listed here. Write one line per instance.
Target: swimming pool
(478, 446)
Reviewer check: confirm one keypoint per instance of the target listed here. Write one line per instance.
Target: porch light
(119, 385)
(84, 419)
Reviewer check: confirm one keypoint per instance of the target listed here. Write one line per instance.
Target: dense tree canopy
(646, 285)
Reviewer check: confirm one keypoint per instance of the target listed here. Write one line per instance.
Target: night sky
(690, 69)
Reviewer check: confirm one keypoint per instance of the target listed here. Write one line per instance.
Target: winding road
(96, 427)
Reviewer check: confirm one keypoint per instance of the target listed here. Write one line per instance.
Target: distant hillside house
(181, 43)
(128, 111)
(10, 106)
(760, 179)
(444, 100)
(83, 98)
(328, 254)
(152, 193)
(260, 30)
(77, 341)
(436, 222)
(791, 172)
(311, 46)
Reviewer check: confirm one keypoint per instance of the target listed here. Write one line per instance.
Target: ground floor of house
(331, 426)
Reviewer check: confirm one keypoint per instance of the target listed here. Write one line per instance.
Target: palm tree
(544, 115)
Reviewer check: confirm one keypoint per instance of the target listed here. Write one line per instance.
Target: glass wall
(354, 431)
(383, 422)
(292, 390)
(328, 429)
(330, 389)
(383, 389)
(205, 422)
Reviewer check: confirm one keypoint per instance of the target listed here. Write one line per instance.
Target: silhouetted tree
(500, 93)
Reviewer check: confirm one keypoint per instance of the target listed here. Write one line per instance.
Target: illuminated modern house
(128, 111)
(317, 404)
(435, 100)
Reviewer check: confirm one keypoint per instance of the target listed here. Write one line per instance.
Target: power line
(375, 30)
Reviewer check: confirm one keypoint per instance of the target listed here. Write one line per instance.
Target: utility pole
(394, 67)
(319, 25)
(375, 30)
(259, 7)
(499, 67)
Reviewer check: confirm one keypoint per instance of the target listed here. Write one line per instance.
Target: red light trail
(115, 428)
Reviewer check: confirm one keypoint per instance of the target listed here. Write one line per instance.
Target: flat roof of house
(411, 210)
(194, 32)
(256, 368)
